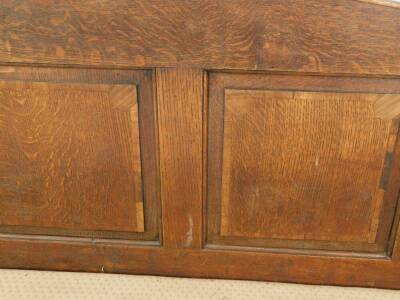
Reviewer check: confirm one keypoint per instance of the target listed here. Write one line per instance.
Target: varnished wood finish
(330, 36)
(309, 78)
(180, 114)
(387, 107)
(290, 158)
(70, 153)
(53, 176)
(210, 263)
(302, 165)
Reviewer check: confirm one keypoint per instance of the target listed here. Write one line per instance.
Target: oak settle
(203, 138)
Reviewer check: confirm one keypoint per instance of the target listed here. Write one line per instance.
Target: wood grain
(301, 165)
(301, 162)
(185, 152)
(331, 36)
(387, 107)
(69, 158)
(70, 153)
(56, 255)
(179, 94)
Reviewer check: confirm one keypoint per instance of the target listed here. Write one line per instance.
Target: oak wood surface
(53, 175)
(331, 36)
(302, 165)
(265, 129)
(207, 263)
(387, 107)
(72, 159)
(179, 94)
(181, 56)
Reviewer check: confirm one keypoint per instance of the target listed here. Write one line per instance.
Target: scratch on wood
(189, 233)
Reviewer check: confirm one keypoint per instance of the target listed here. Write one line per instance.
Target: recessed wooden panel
(217, 148)
(299, 169)
(70, 155)
(302, 165)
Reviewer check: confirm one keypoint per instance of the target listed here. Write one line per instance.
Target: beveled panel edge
(135, 77)
(221, 76)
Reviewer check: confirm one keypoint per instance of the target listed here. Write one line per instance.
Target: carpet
(23, 284)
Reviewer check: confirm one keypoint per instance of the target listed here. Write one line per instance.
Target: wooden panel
(70, 156)
(332, 36)
(208, 263)
(302, 165)
(180, 116)
(299, 169)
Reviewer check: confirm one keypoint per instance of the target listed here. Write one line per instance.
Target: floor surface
(21, 284)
